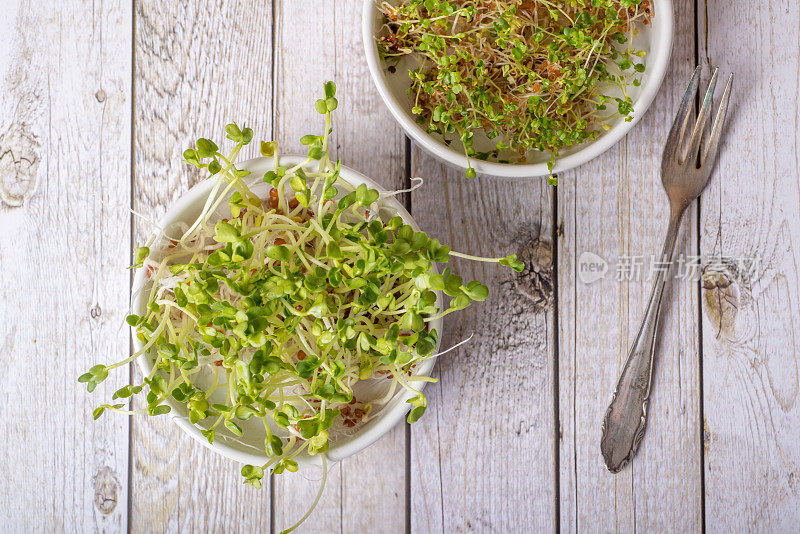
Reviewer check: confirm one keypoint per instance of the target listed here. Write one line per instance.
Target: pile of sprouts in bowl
(507, 77)
(276, 314)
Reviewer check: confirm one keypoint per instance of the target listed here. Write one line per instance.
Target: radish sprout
(276, 312)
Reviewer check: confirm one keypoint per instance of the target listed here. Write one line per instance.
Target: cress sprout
(284, 305)
(531, 74)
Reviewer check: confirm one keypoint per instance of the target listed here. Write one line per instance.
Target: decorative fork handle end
(626, 417)
(621, 436)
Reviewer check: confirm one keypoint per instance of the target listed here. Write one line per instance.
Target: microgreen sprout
(286, 304)
(531, 74)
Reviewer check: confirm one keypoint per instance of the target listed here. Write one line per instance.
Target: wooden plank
(65, 92)
(367, 492)
(752, 210)
(615, 207)
(199, 65)
(483, 456)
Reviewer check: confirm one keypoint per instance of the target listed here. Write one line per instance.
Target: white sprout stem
(474, 258)
(454, 347)
(316, 499)
(416, 183)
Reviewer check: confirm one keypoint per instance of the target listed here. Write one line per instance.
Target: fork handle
(625, 419)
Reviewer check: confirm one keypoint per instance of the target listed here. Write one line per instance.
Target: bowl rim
(657, 72)
(389, 415)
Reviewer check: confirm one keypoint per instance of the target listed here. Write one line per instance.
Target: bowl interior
(249, 447)
(655, 40)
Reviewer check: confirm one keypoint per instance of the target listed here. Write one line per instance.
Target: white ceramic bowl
(655, 40)
(249, 448)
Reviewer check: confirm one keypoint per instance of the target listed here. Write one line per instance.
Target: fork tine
(707, 155)
(699, 127)
(681, 118)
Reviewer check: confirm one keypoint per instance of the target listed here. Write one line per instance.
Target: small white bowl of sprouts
(517, 88)
(288, 311)
(375, 399)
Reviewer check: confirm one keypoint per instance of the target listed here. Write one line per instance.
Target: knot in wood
(106, 490)
(536, 279)
(721, 295)
(19, 164)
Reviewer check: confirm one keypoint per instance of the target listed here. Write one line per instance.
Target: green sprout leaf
(513, 262)
(190, 156)
(225, 232)
(206, 148)
(141, 254)
(268, 149)
(477, 291)
(419, 405)
(252, 475)
(330, 89)
(214, 167)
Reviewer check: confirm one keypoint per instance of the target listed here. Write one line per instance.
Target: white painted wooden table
(97, 102)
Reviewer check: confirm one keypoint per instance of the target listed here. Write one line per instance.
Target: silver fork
(684, 173)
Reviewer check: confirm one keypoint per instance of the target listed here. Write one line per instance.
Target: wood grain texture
(65, 79)
(198, 66)
(751, 355)
(482, 457)
(615, 207)
(365, 493)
